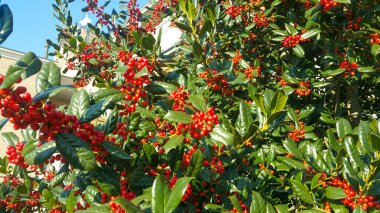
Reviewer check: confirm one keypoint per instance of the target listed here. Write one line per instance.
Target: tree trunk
(353, 104)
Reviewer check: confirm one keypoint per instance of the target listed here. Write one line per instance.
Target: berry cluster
(291, 41)
(351, 68)
(234, 10)
(353, 198)
(328, 4)
(297, 134)
(179, 98)
(236, 59)
(260, 19)
(303, 88)
(252, 72)
(375, 38)
(14, 155)
(203, 123)
(95, 51)
(217, 82)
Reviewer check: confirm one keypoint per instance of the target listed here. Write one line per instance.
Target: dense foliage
(262, 106)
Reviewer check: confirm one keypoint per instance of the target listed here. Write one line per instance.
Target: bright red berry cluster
(203, 123)
(375, 38)
(179, 96)
(234, 10)
(351, 68)
(14, 155)
(303, 88)
(353, 198)
(291, 41)
(260, 19)
(217, 82)
(297, 134)
(328, 4)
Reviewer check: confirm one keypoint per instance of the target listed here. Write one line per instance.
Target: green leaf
(148, 41)
(375, 49)
(40, 154)
(299, 51)
(11, 76)
(104, 93)
(198, 102)
(75, 151)
(244, 119)
(6, 22)
(178, 117)
(365, 69)
(310, 33)
(10, 138)
(173, 142)
(292, 148)
(183, 26)
(177, 193)
(51, 92)
(343, 1)
(222, 136)
(59, 177)
(79, 103)
(160, 88)
(127, 205)
(160, 195)
(291, 162)
(335, 193)
(364, 130)
(94, 111)
(48, 76)
(333, 72)
(116, 151)
(31, 63)
(291, 30)
(343, 127)
(258, 203)
(278, 102)
(301, 191)
(235, 203)
(71, 202)
(197, 49)
(196, 164)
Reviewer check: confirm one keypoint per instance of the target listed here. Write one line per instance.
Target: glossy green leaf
(278, 103)
(40, 154)
(51, 92)
(160, 88)
(104, 93)
(6, 22)
(244, 119)
(290, 29)
(222, 136)
(375, 49)
(71, 202)
(292, 148)
(75, 151)
(173, 143)
(178, 117)
(49, 76)
(343, 127)
(335, 193)
(79, 103)
(299, 51)
(197, 49)
(160, 195)
(198, 102)
(258, 203)
(10, 138)
(310, 33)
(115, 151)
(177, 193)
(148, 41)
(364, 130)
(301, 191)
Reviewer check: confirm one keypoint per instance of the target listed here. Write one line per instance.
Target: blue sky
(33, 23)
